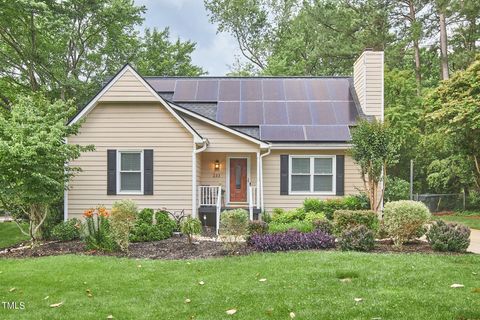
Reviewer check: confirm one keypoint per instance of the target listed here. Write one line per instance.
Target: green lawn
(307, 283)
(468, 218)
(10, 234)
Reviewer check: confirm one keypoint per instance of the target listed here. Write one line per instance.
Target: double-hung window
(312, 174)
(130, 172)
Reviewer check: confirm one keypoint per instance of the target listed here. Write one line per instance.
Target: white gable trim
(94, 101)
(263, 145)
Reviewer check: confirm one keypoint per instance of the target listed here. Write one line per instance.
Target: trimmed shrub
(233, 227)
(152, 226)
(67, 230)
(288, 216)
(359, 238)
(301, 226)
(256, 227)
(448, 236)
(190, 227)
(122, 221)
(404, 219)
(314, 216)
(348, 219)
(324, 226)
(292, 240)
(328, 207)
(396, 189)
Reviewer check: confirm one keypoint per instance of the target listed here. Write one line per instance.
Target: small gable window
(312, 175)
(130, 172)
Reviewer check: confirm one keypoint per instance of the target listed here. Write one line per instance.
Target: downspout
(65, 193)
(262, 206)
(194, 175)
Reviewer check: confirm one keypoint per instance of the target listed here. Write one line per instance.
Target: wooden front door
(238, 180)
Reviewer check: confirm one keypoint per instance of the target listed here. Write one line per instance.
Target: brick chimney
(368, 82)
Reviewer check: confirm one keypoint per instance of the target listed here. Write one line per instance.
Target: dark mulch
(386, 246)
(173, 248)
(177, 248)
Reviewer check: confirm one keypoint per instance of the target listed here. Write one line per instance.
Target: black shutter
(340, 182)
(148, 172)
(111, 172)
(284, 174)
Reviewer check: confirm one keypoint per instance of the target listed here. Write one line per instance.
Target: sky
(188, 20)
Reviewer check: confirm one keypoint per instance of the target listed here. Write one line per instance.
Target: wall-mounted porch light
(217, 165)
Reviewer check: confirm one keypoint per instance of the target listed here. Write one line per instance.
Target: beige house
(203, 144)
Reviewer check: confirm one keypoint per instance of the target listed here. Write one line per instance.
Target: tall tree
(65, 47)
(454, 109)
(441, 7)
(158, 56)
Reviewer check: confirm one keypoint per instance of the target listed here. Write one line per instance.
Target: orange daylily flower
(103, 212)
(88, 213)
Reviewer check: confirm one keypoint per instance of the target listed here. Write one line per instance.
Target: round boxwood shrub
(404, 220)
(448, 236)
(152, 226)
(67, 230)
(359, 238)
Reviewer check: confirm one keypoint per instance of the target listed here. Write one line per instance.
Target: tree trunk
(416, 47)
(443, 44)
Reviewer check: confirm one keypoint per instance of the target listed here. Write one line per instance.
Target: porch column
(258, 180)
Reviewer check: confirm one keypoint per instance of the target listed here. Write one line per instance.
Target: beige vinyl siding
(128, 88)
(208, 177)
(133, 126)
(368, 82)
(271, 178)
(219, 139)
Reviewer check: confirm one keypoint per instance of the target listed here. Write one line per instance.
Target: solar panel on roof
(229, 90)
(317, 89)
(299, 112)
(228, 112)
(251, 112)
(295, 89)
(273, 89)
(275, 112)
(185, 90)
(345, 111)
(339, 89)
(207, 90)
(327, 133)
(281, 133)
(162, 85)
(322, 113)
(251, 90)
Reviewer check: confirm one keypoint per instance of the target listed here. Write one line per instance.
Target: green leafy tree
(33, 155)
(454, 111)
(374, 150)
(65, 48)
(158, 56)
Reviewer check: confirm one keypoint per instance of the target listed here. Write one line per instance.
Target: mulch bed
(171, 249)
(177, 248)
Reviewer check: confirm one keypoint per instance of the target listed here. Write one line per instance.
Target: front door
(238, 180)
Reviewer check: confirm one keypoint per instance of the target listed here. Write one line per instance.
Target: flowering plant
(97, 229)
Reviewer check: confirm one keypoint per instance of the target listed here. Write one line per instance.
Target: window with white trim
(312, 174)
(130, 172)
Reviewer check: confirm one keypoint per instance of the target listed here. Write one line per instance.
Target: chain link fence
(442, 202)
